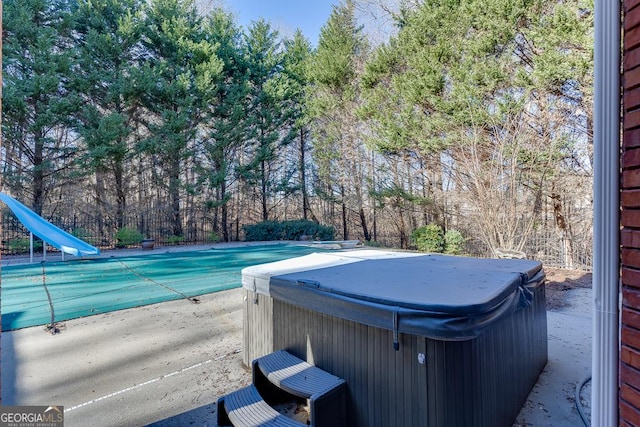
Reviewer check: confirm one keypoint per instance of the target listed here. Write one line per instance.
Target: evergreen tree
(484, 82)
(266, 117)
(296, 61)
(36, 100)
(333, 100)
(177, 83)
(223, 134)
(108, 40)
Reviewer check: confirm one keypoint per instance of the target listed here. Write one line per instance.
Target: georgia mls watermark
(31, 416)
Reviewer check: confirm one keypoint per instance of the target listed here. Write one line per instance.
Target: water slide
(48, 232)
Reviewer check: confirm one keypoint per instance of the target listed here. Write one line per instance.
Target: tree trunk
(345, 228)
(263, 186)
(363, 221)
(224, 213)
(303, 176)
(174, 194)
(38, 172)
(216, 210)
(100, 207)
(121, 197)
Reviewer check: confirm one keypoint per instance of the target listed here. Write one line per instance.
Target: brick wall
(629, 392)
(1, 31)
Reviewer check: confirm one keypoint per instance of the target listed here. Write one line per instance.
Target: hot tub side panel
(485, 381)
(385, 387)
(257, 339)
(480, 382)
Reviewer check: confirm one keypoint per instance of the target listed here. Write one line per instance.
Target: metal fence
(554, 250)
(103, 232)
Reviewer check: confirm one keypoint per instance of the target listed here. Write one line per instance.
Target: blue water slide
(48, 232)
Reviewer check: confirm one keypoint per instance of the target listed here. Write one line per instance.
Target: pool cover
(85, 287)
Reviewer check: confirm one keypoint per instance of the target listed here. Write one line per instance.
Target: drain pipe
(606, 228)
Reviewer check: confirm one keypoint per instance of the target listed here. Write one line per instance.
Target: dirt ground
(559, 281)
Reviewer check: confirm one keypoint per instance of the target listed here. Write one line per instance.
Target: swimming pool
(85, 287)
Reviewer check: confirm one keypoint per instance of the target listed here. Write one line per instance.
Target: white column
(606, 228)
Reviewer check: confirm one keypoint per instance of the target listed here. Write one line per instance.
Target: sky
(284, 15)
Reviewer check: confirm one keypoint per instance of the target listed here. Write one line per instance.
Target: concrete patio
(166, 364)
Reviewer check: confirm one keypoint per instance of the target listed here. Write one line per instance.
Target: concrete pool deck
(166, 364)
(131, 367)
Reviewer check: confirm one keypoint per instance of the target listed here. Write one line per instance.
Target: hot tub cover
(437, 296)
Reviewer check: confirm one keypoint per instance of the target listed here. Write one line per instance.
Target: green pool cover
(85, 287)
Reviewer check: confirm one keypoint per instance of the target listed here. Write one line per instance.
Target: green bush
(213, 237)
(453, 242)
(22, 245)
(292, 230)
(287, 230)
(265, 230)
(174, 240)
(84, 235)
(324, 232)
(126, 237)
(429, 238)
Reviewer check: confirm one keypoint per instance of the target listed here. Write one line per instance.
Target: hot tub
(421, 340)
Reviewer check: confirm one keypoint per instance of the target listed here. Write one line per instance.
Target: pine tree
(333, 100)
(266, 119)
(223, 134)
(37, 102)
(488, 84)
(177, 83)
(108, 37)
(296, 60)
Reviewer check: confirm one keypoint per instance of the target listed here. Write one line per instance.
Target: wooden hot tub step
(326, 393)
(246, 408)
(295, 376)
(280, 377)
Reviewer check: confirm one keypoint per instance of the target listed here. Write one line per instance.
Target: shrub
(265, 230)
(324, 232)
(213, 237)
(22, 245)
(293, 230)
(453, 242)
(287, 230)
(127, 237)
(429, 238)
(174, 240)
(84, 235)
